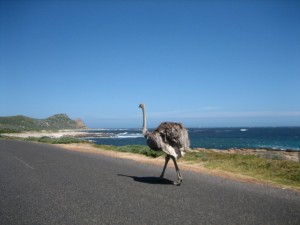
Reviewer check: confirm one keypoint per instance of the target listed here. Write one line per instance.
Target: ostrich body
(171, 138)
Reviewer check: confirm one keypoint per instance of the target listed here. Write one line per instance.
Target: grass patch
(137, 149)
(279, 171)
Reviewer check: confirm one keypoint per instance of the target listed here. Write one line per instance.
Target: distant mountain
(23, 123)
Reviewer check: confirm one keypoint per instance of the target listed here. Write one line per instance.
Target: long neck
(144, 122)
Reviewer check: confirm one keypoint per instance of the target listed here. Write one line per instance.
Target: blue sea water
(280, 138)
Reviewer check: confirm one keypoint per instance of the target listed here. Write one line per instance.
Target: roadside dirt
(184, 165)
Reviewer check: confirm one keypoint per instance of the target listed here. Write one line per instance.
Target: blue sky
(203, 63)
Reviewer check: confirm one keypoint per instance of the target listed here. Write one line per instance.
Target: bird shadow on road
(149, 180)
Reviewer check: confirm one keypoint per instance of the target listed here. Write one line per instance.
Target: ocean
(279, 138)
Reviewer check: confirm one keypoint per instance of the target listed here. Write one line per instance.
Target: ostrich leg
(165, 166)
(178, 172)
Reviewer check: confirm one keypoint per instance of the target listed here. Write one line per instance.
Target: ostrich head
(142, 106)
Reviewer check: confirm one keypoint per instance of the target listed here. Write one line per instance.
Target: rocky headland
(20, 123)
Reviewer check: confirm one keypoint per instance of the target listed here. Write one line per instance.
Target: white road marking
(24, 163)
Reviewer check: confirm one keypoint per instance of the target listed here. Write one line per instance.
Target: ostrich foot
(179, 178)
(178, 183)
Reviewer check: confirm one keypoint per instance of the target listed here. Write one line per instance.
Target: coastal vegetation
(275, 170)
(12, 124)
(61, 140)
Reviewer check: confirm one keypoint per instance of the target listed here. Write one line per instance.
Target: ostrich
(171, 138)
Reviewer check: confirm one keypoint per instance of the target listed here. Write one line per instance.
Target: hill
(23, 123)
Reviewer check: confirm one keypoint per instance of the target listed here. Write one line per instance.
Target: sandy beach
(58, 134)
(54, 134)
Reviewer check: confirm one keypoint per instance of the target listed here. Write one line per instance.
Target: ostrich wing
(174, 134)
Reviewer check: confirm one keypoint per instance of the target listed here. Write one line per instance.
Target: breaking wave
(129, 135)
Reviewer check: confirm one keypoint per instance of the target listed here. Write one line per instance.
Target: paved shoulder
(43, 184)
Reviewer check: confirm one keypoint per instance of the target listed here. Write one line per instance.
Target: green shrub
(66, 140)
(7, 130)
(61, 140)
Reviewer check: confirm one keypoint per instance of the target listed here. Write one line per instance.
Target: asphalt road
(43, 184)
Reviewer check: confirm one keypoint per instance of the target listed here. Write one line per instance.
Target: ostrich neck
(144, 122)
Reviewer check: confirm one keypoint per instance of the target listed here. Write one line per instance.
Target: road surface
(44, 184)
